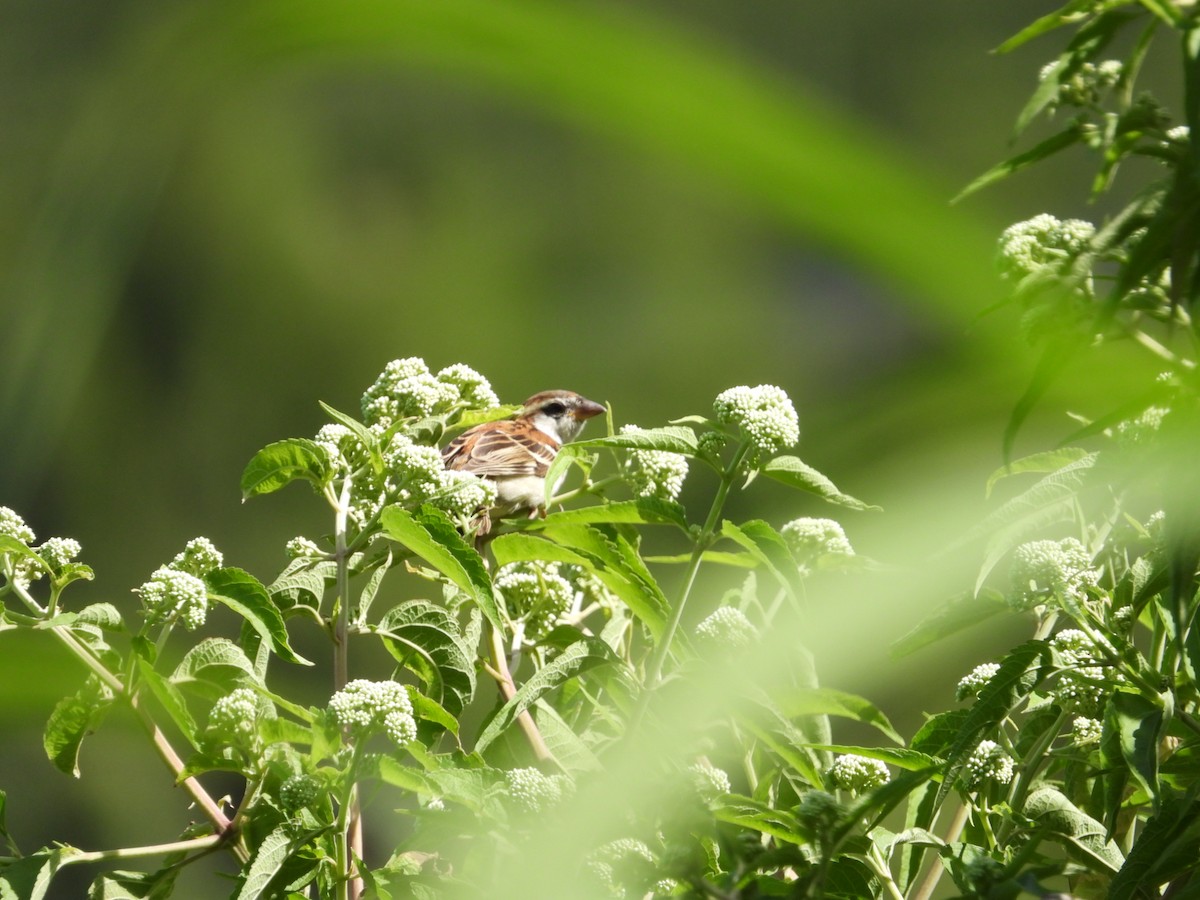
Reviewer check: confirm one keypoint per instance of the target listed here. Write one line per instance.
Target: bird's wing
(500, 449)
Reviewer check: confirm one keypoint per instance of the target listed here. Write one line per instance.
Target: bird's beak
(589, 409)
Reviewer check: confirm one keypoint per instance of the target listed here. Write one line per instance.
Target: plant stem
(349, 843)
(500, 672)
(70, 855)
(875, 860)
(934, 874)
(707, 534)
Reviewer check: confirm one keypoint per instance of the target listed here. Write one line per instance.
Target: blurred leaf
(568, 748)
(432, 536)
(830, 702)
(750, 813)
(737, 560)
(12, 845)
(279, 464)
(1046, 461)
(571, 663)
(73, 719)
(794, 472)
(964, 611)
(1066, 15)
(246, 596)
(1076, 829)
(903, 758)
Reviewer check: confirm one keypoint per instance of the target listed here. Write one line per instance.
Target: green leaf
(168, 695)
(1018, 675)
(216, 653)
(670, 439)
(283, 462)
(829, 702)
(737, 560)
(618, 567)
(767, 546)
(747, 812)
(12, 845)
(268, 859)
(1068, 14)
(1078, 831)
(432, 536)
(431, 711)
(427, 640)
(964, 611)
(104, 616)
(73, 719)
(1042, 463)
(472, 417)
(1046, 148)
(580, 657)
(643, 511)
(1140, 723)
(572, 753)
(246, 596)
(1167, 846)
(302, 583)
(29, 878)
(523, 547)
(794, 472)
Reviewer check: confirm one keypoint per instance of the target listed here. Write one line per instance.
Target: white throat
(563, 429)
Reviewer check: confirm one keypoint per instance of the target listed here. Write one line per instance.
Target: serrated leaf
(246, 596)
(1046, 462)
(104, 616)
(268, 859)
(1139, 724)
(1079, 831)
(522, 547)
(426, 639)
(964, 611)
(821, 701)
(303, 583)
(670, 439)
(642, 511)
(219, 653)
(1167, 846)
(794, 472)
(565, 745)
(73, 719)
(766, 545)
(580, 657)
(432, 536)
(279, 464)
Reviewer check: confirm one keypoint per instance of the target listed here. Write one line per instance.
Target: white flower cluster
(234, 719)
(298, 791)
(13, 526)
(345, 451)
(362, 706)
(764, 414)
(171, 593)
(1083, 680)
(198, 557)
(1044, 569)
(1085, 731)
(1142, 428)
(988, 762)
(303, 548)
(971, 684)
(534, 791)
(727, 628)
(708, 780)
(406, 388)
(654, 473)
(1043, 244)
(56, 552)
(852, 772)
(628, 868)
(537, 593)
(1087, 84)
(816, 543)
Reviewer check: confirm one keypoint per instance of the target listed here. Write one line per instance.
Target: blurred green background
(214, 214)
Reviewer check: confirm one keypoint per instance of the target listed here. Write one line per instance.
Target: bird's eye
(554, 410)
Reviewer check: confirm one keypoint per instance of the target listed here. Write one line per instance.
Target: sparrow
(515, 454)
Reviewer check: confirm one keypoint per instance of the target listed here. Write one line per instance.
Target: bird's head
(560, 414)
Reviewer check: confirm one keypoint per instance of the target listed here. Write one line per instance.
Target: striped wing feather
(501, 449)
